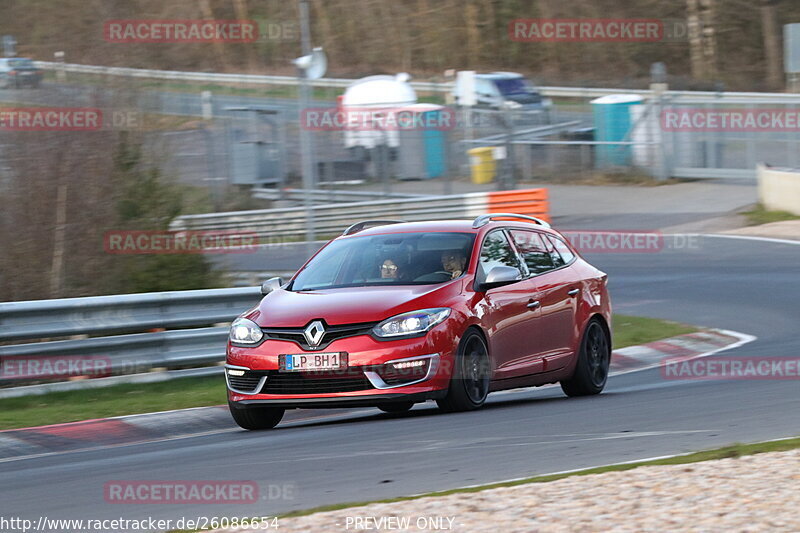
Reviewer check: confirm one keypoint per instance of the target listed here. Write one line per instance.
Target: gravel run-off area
(746, 494)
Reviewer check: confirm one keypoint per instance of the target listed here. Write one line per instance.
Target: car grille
(348, 380)
(332, 333)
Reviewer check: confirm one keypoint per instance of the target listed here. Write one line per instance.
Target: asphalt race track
(743, 285)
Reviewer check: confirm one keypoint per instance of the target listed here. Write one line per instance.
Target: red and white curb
(17, 444)
(688, 346)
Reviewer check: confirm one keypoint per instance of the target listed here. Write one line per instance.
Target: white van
(496, 89)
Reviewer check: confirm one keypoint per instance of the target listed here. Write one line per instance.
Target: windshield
(514, 86)
(20, 63)
(393, 259)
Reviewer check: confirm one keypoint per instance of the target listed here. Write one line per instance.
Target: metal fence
(572, 149)
(563, 144)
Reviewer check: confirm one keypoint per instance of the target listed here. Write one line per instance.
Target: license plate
(305, 362)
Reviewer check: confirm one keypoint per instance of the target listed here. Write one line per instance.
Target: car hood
(284, 309)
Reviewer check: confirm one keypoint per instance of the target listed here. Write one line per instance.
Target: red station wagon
(390, 314)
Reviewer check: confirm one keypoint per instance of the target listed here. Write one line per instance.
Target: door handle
(534, 304)
(573, 292)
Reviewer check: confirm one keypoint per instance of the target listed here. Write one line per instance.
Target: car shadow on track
(428, 410)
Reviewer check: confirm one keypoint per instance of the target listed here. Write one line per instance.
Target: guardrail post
(207, 105)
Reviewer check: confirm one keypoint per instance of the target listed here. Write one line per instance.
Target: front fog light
(410, 364)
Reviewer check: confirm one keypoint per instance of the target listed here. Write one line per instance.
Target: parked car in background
(390, 314)
(18, 72)
(501, 89)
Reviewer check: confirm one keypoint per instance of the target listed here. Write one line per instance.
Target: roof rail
(359, 226)
(482, 220)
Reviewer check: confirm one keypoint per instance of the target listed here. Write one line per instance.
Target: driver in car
(454, 262)
(389, 270)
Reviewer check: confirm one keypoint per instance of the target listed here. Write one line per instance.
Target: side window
(497, 251)
(537, 253)
(551, 250)
(563, 250)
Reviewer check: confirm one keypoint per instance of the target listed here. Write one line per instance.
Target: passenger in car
(454, 262)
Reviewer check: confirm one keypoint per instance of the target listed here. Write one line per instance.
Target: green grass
(632, 330)
(735, 450)
(761, 215)
(118, 400)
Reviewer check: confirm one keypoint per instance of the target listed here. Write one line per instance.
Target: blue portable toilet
(422, 148)
(613, 121)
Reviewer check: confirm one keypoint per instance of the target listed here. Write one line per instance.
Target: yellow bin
(482, 164)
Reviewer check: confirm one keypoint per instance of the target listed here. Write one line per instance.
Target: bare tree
(702, 38)
(771, 31)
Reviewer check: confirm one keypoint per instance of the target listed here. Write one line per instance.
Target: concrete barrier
(779, 188)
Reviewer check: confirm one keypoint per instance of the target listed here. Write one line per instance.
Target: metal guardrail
(425, 86)
(329, 219)
(136, 353)
(121, 313)
(326, 195)
(125, 355)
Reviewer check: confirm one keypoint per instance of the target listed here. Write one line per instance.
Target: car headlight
(411, 323)
(245, 331)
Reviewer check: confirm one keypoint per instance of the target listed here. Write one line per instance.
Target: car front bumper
(367, 359)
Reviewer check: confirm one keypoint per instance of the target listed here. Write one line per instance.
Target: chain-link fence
(245, 136)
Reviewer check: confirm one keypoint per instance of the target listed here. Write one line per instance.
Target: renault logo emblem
(314, 333)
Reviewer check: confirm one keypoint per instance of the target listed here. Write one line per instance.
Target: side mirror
(499, 276)
(270, 285)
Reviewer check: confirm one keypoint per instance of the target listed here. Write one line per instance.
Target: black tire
(591, 370)
(396, 407)
(469, 384)
(256, 417)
